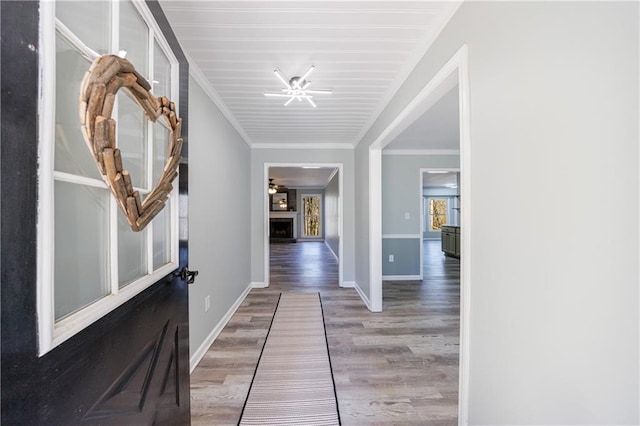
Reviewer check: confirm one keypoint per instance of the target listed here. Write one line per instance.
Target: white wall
(331, 214)
(260, 157)
(219, 215)
(554, 126)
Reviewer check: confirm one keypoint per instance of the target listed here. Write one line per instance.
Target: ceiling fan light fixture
(273, 188)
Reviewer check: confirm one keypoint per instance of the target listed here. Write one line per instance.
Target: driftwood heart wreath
(98, 89)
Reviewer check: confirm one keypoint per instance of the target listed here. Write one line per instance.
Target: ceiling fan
(273, 188)
(296, 88)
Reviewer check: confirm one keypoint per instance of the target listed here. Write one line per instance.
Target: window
(90, 262)
(438, 215)
(311, 215)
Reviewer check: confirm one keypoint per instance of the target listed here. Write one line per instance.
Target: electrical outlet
(391, 258)
(207, 303)
(407, 215)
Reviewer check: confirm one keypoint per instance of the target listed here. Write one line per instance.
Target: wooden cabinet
(451, 240)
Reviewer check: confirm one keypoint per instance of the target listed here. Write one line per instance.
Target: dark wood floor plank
(399, 366)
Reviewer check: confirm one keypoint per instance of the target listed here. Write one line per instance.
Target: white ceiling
(362, 50)
(438, 128)
(297, 177)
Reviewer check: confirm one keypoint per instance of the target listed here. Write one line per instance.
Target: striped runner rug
(293, 382)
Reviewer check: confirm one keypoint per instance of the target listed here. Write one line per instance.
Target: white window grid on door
(52, 332)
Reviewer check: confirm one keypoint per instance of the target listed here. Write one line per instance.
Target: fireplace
(281, 230)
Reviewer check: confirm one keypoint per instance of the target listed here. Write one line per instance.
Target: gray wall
(406, 253)
(554, 120)
(259, 157)
(361, 213)
(332, 214)
(218, 231)
(401, 194)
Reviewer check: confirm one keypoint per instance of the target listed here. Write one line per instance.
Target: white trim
(465, 233)
(375, 229)
(204, 347)
(67, 35)
(265, 223)
(206, 86)
(431, 152)
(69, 326)
(332, 252)
(362, 295)
(258, 284)
(45, 234)
(265, 209)
(81, 180)
(401, 236)
(454, 71)
(410, 64)
(402, 278)
(349, 284)
(285, 145)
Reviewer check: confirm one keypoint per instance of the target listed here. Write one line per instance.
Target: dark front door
(132, 366)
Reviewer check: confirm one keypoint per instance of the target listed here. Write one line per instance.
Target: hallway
(398, 366)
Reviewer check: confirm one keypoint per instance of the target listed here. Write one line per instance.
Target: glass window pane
(311, 211)
(132, 252)
(81, 246)
(160, 144)
(134, 36)
(72, 154)
(132, 138)
(161, 237)
(161, 73)
(161, 87)
(88, 20)
(438, 214)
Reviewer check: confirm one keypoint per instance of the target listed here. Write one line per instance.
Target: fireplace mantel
(287, 215)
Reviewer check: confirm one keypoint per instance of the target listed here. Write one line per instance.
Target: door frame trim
(265, 213)
(456, 70)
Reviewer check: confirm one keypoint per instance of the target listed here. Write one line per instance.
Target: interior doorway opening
(308, 196)
(454, 72)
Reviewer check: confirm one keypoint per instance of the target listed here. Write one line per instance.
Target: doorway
(318, 186)
(454, 72)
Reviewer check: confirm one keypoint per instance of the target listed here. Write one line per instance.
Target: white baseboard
(401, 277)
(348, 284)
(363, 296)
(204, 347)
(257, 284)
(334, 255)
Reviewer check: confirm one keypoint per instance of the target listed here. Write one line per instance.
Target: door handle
(187, 275)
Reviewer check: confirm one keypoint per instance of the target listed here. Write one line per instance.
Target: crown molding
(200, 78)
(420, 152)
(285, 145)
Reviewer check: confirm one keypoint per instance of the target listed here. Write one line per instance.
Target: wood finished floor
(395, 367)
